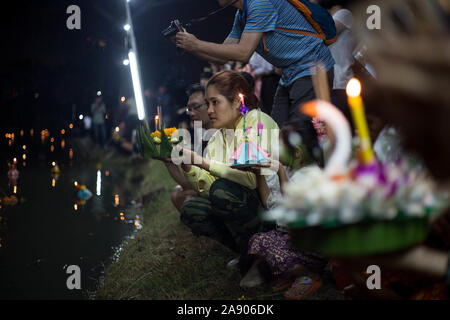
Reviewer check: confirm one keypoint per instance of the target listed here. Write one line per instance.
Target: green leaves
(148, 148)
(165, 147)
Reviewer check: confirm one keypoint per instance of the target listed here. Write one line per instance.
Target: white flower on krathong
(314, 218)
(349, 214)
(275, 214)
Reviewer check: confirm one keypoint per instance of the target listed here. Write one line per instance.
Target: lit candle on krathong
(243, 110)
(357, 109)
(159, 117)
(156, 122)
(241, 96)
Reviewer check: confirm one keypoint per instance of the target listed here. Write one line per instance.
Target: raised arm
(212, 59)
(230, 50)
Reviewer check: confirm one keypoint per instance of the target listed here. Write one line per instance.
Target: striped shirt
(294, 53)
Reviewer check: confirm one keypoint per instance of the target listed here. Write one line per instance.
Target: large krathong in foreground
(359, 207)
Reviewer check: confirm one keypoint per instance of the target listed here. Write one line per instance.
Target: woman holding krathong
(228, 205)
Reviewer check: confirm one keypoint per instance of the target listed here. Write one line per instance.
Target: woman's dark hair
(230, 83)
(249, 78)
(206, 75)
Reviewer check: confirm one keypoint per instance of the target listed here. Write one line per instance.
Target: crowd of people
(269, 58)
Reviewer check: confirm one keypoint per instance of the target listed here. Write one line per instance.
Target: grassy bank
(164, 260)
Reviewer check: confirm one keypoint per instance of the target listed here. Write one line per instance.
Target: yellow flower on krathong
(156, 134)
(170, 131)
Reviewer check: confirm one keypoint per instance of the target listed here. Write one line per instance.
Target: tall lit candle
(243, 110)
(357, 109)
(241, 96)
(156, 122)
(159, 117)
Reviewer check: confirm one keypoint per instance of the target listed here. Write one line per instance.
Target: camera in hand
(174, 27)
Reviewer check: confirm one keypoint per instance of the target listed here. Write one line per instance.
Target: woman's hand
(192, 158)
(165, 160)
(256, 168)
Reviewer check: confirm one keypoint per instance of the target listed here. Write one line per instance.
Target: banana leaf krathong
(156, 144)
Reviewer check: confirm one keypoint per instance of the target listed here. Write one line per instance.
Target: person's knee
(223, 189)
(192, 210)
(175, 193)
(229, 199)
(185, 213)
(223, 184)
(194, 217)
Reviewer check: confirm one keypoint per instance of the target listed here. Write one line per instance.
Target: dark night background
(48, 68)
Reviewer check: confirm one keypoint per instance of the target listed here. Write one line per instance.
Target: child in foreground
(288, 266)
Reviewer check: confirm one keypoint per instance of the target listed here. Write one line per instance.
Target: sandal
(286, 279)
(281, 283)
(302, 287)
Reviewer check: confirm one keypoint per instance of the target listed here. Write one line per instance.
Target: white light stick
(136, 85)
(134, 67)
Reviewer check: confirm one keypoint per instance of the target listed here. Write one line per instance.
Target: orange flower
(168, 131)
(156, 134)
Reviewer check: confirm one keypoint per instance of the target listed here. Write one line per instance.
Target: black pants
(286, 110)
(339, 99)
(268, 90)
(229, 215)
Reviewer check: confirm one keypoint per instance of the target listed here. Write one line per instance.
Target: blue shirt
(294, 53)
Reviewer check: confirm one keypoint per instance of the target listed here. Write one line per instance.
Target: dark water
(47, 232)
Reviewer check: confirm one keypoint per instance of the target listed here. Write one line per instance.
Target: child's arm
(263, 188)
(282, 176)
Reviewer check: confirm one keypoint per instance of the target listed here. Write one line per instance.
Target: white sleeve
(259, 65)
(345, 17)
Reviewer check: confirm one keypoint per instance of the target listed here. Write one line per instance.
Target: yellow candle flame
(359, 119)
(354, 88)
(242, 98)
